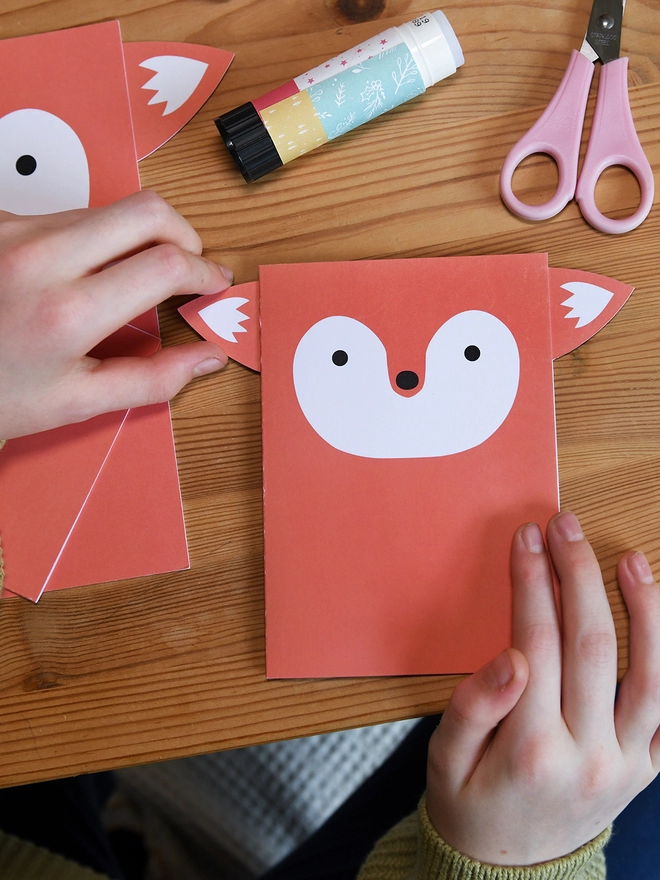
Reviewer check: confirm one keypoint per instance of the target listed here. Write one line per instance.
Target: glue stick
(338, 95)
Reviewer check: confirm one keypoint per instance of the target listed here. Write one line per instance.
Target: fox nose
(407, 380)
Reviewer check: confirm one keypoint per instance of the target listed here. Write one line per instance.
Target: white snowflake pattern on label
(371, 88)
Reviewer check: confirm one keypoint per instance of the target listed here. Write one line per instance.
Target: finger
(32, 235)
(589, 637)
(100, 236)
(637, 713)
(476, 707)
(29, 224)
(535, 625)
(122, 383)
(109, 299)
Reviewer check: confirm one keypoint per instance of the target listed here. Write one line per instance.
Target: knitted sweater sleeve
(22, 860)
(413, 850)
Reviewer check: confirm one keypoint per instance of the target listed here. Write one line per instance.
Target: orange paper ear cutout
(231, 320)
(167, 85)
(581, 303)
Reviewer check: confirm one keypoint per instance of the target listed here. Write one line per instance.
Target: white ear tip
(587, 302)
(176, 78)
(224, 318)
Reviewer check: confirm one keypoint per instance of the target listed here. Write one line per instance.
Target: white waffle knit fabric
(259, 803)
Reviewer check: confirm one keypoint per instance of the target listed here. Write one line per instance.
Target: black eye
(26, 165)
(472, 353)
(339, 358)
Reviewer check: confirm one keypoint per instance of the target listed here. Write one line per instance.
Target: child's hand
(56, 304)
(532, 759)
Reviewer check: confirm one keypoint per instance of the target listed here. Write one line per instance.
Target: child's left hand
(532, 758)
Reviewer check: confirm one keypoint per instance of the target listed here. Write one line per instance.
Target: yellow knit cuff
(22, 860)
(413, 850)
(437, 860)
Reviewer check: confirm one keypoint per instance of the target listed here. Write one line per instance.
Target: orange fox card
(408, 429)
(100, 500)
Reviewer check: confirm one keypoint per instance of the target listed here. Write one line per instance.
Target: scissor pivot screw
(606, 22)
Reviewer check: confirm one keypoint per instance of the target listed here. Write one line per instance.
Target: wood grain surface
(145, 670)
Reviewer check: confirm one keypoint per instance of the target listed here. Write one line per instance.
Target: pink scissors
(613, 139)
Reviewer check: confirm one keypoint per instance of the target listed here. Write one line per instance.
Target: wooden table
(139, 671)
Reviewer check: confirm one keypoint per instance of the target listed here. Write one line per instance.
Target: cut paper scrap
(408, 429)
(167, 84)
(99, 500)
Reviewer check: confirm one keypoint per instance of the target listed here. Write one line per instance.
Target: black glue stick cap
(248, 141)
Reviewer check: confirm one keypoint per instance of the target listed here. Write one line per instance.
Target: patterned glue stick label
(353, 56)
(294, 126)
(363, 92)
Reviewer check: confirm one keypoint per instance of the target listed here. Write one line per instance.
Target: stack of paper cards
(100, 500)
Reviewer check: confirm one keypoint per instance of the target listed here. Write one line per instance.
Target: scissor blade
(603, 37)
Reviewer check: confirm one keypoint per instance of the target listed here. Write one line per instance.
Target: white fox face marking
(343, 387)
(43, 164)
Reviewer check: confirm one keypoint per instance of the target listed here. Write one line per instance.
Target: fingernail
(568, 526)
(226, 271)
(499, 672)
(210, 365)
(640, 569)
(532, 538)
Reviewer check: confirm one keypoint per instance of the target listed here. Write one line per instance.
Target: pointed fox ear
(167, 85)
(581, 303)
(231, 320)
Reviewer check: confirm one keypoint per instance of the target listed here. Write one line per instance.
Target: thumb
(125, 382)
(476, 707)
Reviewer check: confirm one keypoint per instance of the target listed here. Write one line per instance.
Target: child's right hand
(532, 759)
(56, 304)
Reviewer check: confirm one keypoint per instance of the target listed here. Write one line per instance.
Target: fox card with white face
(78, 108)
(408, 429)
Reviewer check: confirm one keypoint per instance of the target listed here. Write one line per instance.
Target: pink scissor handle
(613, 141)
(557, 132)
